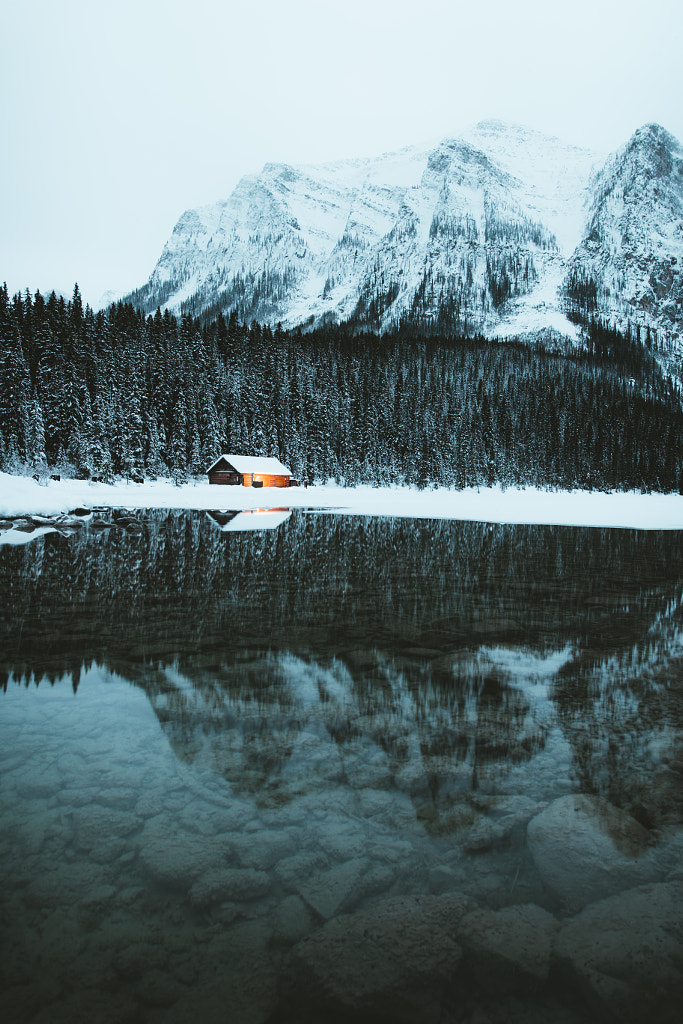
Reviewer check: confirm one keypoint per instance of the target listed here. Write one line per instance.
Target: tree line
(122, 394)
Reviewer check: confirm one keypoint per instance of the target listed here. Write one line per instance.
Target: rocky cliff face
(630, 258)
(501, 230)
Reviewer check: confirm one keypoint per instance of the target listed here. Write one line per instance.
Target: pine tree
(179, 443)
(14, 396)
(35, 444)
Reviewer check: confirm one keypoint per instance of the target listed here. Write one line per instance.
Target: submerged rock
(672, 858)
(135, 959)
(586, 849)
(157, 988)
(87, 1005)
(95, 825)
(294, 872)
(65, 886)
(344, 840)
(237, 884)
(509, 950)
(387, 807)
(394, 960)
(625, 953)
(488, 832)
(504, 817)
(292, 920)
(443, 878)
(377, 879)
(244, 991)
(263, 848)
(335, 890)
(175, 857)
(37, 783)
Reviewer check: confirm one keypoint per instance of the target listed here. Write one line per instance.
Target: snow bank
(23, 495)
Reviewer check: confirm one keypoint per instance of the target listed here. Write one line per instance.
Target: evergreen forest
(122, 394)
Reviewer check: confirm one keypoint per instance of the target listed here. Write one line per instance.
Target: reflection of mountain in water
(624, 716)
(440, 656)
(280, 726)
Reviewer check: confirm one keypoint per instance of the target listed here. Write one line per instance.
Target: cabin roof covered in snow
(253, 464)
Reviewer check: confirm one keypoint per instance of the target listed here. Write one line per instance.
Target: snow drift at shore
(627, 510)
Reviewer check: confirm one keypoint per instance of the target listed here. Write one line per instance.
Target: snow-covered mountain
(630, 260)
(501, 229)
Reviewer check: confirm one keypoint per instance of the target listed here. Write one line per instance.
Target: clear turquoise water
(214, 746)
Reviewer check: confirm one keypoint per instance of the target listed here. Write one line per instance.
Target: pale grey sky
(117, 117)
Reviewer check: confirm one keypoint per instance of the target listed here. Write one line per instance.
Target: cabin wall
(223, 476)
(270, 480)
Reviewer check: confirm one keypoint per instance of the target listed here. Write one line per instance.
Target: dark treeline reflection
(183, 591)
(407, 631)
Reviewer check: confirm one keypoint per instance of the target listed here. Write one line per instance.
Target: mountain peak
(653, 132)
(632, 251)
(478, 232)
(521, 134)
(651, 153)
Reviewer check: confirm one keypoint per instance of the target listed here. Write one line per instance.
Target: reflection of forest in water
(429, 647)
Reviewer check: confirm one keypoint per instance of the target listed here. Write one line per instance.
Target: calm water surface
(340, 768)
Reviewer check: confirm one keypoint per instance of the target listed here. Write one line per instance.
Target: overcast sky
(117, 117)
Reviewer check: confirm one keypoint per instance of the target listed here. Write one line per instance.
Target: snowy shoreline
(625, 510)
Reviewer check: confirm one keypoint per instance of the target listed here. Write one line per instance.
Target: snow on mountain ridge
(630, 259)
(482, 227)
(555, 174)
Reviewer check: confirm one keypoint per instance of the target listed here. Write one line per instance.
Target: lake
(303, 766)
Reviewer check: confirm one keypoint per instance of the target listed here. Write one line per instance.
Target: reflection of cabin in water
(249, 471)
(250, 519)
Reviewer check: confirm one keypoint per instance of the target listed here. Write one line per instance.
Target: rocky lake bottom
(334, 770)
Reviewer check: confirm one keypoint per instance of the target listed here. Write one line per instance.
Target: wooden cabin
(249, 471)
